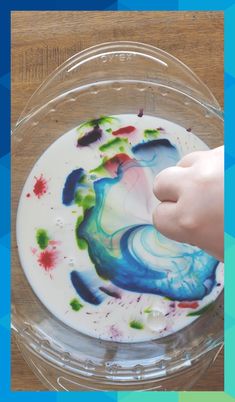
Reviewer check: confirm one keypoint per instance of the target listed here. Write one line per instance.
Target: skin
(191, 196)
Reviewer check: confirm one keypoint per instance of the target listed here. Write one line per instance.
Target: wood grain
(41, 41)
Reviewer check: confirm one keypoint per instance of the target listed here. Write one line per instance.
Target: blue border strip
(5, 201)
(229, 200)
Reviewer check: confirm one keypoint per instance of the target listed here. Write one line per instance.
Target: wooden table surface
(43, 40)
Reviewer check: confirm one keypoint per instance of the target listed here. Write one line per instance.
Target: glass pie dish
(113, 77)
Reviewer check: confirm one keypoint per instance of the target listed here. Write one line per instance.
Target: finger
(167, 184)
(165, 219)
(189, 159)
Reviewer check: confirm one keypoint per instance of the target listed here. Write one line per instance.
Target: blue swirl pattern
(126, 249)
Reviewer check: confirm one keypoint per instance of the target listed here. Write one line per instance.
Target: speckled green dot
(136, 324)
(75, 304)
(148, 310)
(42, 238)
(82, 244)
(151, 133)
(114, 144)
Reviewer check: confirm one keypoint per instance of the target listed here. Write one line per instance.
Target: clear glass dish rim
(83, 56)
(157, 370)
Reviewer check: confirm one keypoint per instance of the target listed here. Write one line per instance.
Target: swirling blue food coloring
(133, 255)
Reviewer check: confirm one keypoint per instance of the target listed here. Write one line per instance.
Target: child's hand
(192, 201)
